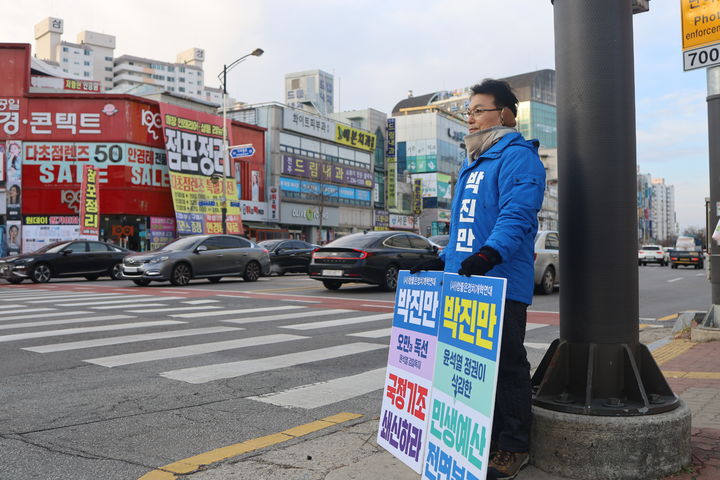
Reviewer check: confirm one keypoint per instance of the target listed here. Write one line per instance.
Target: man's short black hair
(500, 91)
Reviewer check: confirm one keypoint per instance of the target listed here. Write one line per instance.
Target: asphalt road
(108, 380)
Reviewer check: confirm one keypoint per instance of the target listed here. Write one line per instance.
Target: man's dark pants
(513, 415)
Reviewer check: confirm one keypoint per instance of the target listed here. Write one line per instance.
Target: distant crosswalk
(161, 331)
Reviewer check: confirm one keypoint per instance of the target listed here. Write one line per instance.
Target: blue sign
(242, 151)
(206, 203)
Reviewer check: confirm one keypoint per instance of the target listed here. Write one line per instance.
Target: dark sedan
(288, 256)
(371, 257)
(76, 258)
(198, 256)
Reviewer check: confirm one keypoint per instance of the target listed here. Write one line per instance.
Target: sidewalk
(348, 451)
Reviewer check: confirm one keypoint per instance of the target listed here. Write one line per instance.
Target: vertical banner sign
(199, 186)
(13, 195)
(89, 203)
(417, 196)
(405, 407)
(466, 365)
(391, 164)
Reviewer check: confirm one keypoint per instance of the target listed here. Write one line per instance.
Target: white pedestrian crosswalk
(177, 329)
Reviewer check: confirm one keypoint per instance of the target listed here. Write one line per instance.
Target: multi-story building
(320, 174)
(183, 77)
(657, 220)
(311, 90)
(90, 58)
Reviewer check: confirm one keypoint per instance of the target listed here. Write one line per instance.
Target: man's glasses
(475, 112)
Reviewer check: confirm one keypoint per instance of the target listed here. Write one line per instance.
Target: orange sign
(700, 23)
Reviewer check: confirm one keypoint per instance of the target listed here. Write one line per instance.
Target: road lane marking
(41, 315)
(284, 316)
(10, 326)
(674, 279)
(539, 346)
(125, 300)
(341, 321)
(533, 326)
(26, 310)
(199, 302)
(134, 305)
(141, 337)
(324, 393)
(73, 331)
(172, 309)
(233, 312)
(380, 333)
(699, 274)
(197, 462)
(276, 290)
(190, 350)
(668, 317)
(69, 298)
(221, 371)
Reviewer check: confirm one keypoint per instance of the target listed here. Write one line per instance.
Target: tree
(697, 232)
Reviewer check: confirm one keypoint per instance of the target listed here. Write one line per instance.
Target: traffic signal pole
(598, 371)
(712, 320)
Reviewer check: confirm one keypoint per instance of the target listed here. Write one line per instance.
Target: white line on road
(533, 326)
(220, 371)
(141, 337)
(134, 305)
(234, 312)
(41, 315)
(285, 316)
(189, 350)
(699, 274)
(6, 326)
(26, 310)
(341, 321)
(325, 393)
(71, 297)
(539, 346)
(674, 279)
(380, 333)
(171, 309)
(74, 331)
(199, 302)
(124, 300)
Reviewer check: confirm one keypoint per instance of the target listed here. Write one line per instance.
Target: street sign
(700, 23)
(240, 151)
(701, 57)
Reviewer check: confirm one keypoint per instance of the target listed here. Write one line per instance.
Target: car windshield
(650, 247)
(270, 244)
(441, 240)
(180, 244)
(355, 240)
(52, 248)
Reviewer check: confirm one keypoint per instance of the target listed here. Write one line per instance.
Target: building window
(171, 68)
(182, 69)
(108, 69)
(65, 49)
(65, 60)
(86, 74)
(86, 63)
(65, 70)
(131, 63)
(108, 59)
(108, 79)
(182, 79)
(87, 53)
(181, 89)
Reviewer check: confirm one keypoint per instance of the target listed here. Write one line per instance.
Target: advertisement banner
(401, 222)
(13, 184)
(274, 202)
(465, 377)
(417, 196)
(200, 190)
(2, 161)
(41, 230)
(413, 340)
(391, 183)
(327, 172)
(309, 124)
(89, 203)
(14, 236)
(254, 211)
(382, 220)
(162, 231)
(354, 137)
(390, 149)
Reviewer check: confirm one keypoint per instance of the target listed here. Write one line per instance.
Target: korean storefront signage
(382, 220)
(162, 231)
(89, 203)
(354, 137)
(193, 141)
(408, 380)
(254, 211)
(274, 204)
(417, 196)
(390, 149)
(328, 172)
(41, 230)
(309, 124)
(401, 222)
(301, 214)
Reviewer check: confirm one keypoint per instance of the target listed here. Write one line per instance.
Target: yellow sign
(700, 22)
(198, 203)
(354, 137)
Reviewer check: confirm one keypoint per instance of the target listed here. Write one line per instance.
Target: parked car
(72, 258)
(198, 256)
(372, 257)
(287, 255)
(651, 254)
(440, 240)
(547, 261)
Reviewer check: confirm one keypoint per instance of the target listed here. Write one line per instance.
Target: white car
(547, 261)
(652, 254)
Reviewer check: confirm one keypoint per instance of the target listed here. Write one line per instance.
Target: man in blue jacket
(497, 197)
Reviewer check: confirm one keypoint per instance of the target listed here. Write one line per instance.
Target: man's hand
(480, 263)
(432, 264)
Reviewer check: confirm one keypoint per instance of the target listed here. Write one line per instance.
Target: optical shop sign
(439, 393)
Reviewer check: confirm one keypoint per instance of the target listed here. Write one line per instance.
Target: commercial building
(49, 137)
(311, 90)
(320, 174)
(657, 222)
(185, 76)
(90, 58)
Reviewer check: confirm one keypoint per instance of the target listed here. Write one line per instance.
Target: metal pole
(713, 102)
(223, 200)
(598, 367)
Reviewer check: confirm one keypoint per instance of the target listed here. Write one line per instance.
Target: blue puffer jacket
(496, 202)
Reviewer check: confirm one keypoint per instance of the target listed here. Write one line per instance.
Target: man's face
(483, 120)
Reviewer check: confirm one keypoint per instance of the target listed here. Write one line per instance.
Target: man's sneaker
(506, 465)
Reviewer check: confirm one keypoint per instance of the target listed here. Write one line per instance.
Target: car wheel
(252, 272)
(41, 273)
(673, 266)
(14, 281)
(214, 279)
(116, 272)
(180, 275)
(547, 283)
(141, 283)
(280, 272)
(389, 282)
(91, 278)
(332, 284)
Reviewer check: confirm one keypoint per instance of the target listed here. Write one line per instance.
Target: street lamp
(223, 78)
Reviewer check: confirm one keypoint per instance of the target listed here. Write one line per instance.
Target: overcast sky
(378, 50)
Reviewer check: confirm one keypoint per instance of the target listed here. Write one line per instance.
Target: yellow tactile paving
(191, 464)
(693, 375)
(671, 350)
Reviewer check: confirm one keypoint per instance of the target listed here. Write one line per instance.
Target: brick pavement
(693, 372)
